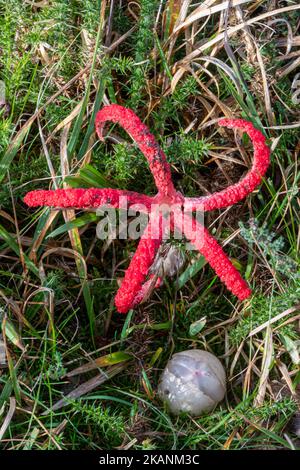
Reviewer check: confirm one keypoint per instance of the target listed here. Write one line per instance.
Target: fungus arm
(216, 257)
(236, 192)
(134, 287)
(86, 198)
(145, 141)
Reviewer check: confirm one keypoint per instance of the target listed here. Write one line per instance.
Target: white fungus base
(193, 381)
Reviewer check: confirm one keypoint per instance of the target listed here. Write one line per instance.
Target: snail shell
(193, 381)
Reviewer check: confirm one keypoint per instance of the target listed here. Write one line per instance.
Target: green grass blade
(77, 223)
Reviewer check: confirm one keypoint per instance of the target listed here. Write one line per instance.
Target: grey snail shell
(193, 381)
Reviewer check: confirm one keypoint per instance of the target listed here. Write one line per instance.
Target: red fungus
(134, 285)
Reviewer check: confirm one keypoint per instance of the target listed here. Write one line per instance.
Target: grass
(74, 373)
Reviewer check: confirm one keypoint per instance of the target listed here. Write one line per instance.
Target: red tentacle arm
(145, 141)
(236, 192)
(146, 287)
(217, 258)
(86, 198)
(134, 287)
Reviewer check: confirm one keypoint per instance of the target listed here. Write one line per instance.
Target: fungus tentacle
(86, 198)
(238, 191)
(206, 244)
(145, 141)
(133, 286)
